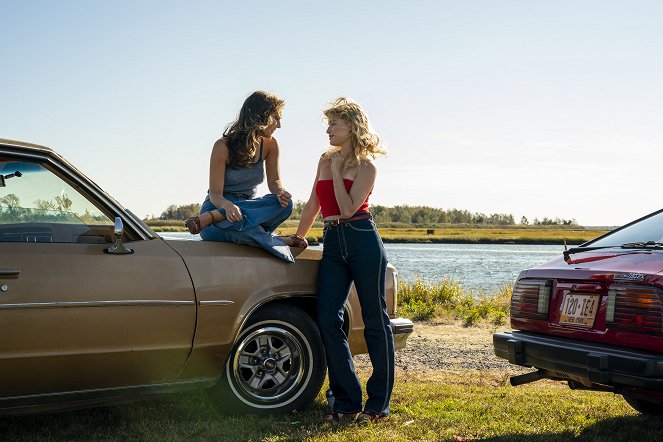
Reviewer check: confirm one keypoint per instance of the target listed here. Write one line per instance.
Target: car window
(36, 205)
(646, 229)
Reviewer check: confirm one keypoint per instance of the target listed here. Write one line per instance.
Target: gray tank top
(246, 179)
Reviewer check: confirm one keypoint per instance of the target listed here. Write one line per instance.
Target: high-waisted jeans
(260, 217)
(354, 252)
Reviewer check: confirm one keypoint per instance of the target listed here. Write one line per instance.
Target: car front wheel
(277, 364)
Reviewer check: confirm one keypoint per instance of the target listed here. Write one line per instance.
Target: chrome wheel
(276, 365)
(268, 364)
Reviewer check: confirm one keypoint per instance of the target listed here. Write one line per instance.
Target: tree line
(414, 215)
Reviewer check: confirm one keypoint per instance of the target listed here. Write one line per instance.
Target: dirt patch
(445, 346)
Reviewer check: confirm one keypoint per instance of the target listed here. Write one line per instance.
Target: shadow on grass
(189, 416)
(623, 428)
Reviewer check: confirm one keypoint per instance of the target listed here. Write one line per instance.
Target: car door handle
(9, 271)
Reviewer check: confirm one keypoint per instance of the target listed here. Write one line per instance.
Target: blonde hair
(366, 142)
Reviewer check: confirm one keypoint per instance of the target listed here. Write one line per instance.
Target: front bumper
(402, 328)
(597, 363)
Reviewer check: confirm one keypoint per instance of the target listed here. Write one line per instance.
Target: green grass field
(430, 406)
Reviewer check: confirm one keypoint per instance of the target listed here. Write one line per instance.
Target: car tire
(644, 406)
(277, 364)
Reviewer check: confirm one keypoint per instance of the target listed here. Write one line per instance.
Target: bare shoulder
(269, 145)
(367, 166)
(221, 143)
(220, 148)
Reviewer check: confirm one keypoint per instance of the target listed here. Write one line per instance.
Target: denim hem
(347, 412)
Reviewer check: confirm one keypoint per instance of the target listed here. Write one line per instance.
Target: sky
(537, 108)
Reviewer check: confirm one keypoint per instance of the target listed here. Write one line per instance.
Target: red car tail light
(531, 298)
(635, 308)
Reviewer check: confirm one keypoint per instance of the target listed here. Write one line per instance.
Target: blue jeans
(260, 218)
(354, 252)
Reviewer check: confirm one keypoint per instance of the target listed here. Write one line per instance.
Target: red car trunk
(610, 297)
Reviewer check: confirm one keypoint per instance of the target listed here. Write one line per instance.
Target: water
(475, 266)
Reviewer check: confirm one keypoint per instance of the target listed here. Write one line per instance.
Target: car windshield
(645, 230)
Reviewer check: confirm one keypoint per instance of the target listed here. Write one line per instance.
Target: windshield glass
(648, 229)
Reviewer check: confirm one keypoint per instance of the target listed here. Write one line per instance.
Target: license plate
(579, 310)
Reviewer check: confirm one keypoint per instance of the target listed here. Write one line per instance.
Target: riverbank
(442, 234)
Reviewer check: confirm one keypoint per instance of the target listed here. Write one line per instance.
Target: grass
(444, 234)
(423, 300)
(432, 406)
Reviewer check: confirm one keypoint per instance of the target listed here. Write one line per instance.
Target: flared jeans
(353, 252)
(260, 218)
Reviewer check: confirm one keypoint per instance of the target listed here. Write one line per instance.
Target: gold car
(97, 308)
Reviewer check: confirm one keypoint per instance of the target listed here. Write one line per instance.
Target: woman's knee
(287, 209)
(328, 321)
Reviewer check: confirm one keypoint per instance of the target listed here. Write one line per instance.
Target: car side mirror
(118, 248)
(11, 175)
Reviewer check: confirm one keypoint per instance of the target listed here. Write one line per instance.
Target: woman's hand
(336, 163)
(233, 213)
(284, 197)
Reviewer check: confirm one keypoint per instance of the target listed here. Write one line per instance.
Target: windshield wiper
(573, 250)
(642, 245)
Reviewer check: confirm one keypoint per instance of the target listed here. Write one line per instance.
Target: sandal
(341, 417)
(368, 417)
(195, 223)
(294, 241)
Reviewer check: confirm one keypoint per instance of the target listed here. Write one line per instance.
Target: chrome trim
(266, 300)
(46, 398)
(219, 302)
(87, 304)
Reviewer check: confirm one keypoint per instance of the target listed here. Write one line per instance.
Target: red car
(594, 316)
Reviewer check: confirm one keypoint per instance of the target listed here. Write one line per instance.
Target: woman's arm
(273, 172)
(362, 185)
(217, 174)
(311, 208)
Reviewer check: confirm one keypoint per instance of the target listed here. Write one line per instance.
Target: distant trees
(555, 222)
(414, 215)
(180, 212)
(423, 215)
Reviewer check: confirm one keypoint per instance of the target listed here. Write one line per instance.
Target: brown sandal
(341, 417)
(368, 417)
(295, 241)
(195, 224)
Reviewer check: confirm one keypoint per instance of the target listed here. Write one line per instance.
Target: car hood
(608, 261)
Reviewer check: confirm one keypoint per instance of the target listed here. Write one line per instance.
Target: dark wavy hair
(243, 135)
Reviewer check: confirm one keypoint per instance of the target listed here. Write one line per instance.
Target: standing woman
(239, 160)
(353, 252)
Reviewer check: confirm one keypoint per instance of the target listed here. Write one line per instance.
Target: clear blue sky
(535, 108)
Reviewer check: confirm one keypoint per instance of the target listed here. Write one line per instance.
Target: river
(475, 266)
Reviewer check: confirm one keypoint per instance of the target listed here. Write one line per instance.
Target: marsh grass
(423, 300)
(441, 234)
(430, 406)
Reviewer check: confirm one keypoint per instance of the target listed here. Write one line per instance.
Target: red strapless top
(325, 191)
